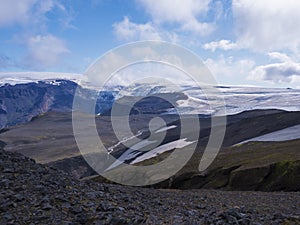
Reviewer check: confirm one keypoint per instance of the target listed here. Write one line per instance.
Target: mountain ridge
(20, 102)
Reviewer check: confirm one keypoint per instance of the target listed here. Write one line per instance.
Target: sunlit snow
(163, 148)
(286, 134)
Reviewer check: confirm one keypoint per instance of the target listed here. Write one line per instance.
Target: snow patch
(290, 133)
(161, 149)
(165, 128)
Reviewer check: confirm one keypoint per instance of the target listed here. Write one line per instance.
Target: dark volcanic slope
(49, 139)
(31, 193)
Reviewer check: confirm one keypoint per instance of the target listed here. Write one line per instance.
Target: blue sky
(241, 41)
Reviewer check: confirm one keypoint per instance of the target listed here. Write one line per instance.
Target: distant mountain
(19, 103)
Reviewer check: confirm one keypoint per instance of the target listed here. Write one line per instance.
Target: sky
(242, 42)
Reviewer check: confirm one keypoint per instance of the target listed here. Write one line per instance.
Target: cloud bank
(43, 49)
(267, 25)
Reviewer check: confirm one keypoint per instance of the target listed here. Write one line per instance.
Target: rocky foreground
(31, 193)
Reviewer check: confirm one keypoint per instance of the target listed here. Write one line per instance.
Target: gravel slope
(31, 193)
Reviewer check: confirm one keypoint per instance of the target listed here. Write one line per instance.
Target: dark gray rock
(42, 195)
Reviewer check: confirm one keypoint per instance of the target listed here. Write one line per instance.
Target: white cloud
(127, 30)
(15, 11)
(141, 54)
(267, 25)
(28, 13)
(222, 44)
(279, 56)
(171, 20)
(196, 27)
(44, 51)
(229, 70)
(296, 81)
(284, 72)
(186, 14)
(175, 10)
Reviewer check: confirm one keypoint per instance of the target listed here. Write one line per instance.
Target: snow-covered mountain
(20, 100)
(239, 99)
(236, 98)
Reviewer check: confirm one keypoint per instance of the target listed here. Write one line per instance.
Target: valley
(260, 152)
